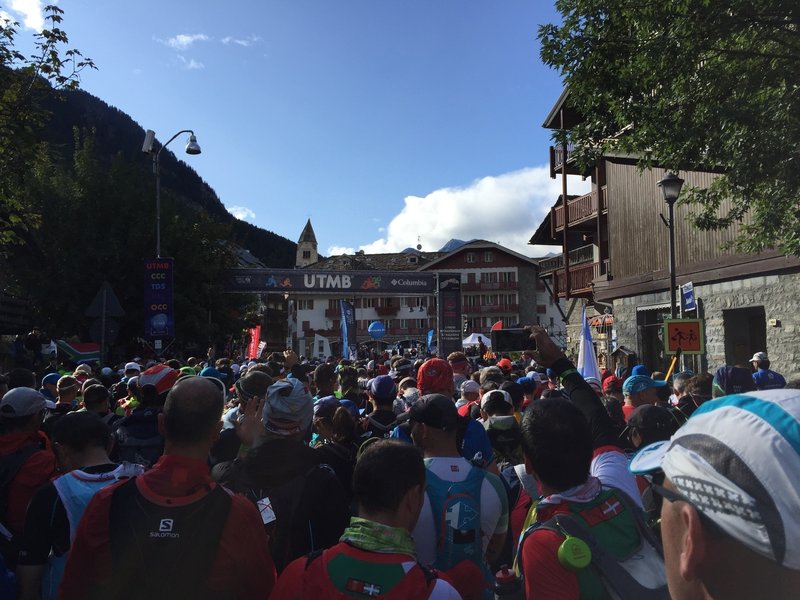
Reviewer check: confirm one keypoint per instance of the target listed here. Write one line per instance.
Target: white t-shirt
(494, 506)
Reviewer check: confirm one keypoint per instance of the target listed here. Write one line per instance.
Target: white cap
(132, 366)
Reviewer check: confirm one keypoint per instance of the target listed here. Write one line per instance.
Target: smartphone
(512, 340)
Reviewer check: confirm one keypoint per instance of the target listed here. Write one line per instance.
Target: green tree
(26, 83)
(693, 85)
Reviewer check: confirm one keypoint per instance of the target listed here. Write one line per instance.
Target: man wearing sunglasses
(729, 519)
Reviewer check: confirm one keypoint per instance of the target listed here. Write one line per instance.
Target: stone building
(618, 264)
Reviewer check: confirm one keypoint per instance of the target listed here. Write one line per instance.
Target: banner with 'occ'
(159, 319)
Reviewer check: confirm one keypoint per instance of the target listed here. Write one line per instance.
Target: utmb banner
(159, 318)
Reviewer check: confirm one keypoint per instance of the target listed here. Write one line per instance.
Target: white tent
(474, 339)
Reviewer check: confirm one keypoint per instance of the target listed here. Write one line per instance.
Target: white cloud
(183, 40)
(244, 42)
(338, 250)
(242, 213)
(505, 209)
(30, 11)
(190, 63)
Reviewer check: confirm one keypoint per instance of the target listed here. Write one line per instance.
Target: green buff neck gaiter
(376, 537)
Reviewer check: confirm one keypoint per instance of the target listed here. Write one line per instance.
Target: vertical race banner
(349, 347)
(253, 351)
(159, 317)
(449, 307)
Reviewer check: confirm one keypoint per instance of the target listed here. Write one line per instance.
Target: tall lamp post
(192, 147)
(671, 188)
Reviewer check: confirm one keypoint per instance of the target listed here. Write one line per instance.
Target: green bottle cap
(574, 553)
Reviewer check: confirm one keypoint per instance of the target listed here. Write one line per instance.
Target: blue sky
(385, 122)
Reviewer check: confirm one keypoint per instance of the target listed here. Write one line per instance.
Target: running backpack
(637, 575)
(456, 507)
(418, 583)
(287, 515)
(163, 552)
(10, 466)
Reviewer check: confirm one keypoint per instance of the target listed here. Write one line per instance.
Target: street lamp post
(671, 188)
(192, 147)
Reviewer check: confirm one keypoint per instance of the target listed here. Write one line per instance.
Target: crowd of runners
(398, 477)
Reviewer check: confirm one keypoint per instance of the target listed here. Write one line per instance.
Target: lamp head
(192, 147)
(670, 186)
(149, 140)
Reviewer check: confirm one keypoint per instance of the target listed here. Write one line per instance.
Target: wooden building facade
(618, 263)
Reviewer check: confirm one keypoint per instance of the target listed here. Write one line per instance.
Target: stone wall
(778, 294)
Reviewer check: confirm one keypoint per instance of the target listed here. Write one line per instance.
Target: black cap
(434, 410)
(653, 420)
(253, 384)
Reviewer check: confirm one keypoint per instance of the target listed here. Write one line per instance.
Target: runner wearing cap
(25, 456)
(638, 391)
(764, 378)
(732, 497)
(465, 513)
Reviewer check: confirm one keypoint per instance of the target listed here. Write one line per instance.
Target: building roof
(474, 245)
(571, 117)
(308, 234)
(396, 261)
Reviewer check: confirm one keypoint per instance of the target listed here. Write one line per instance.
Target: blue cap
(212, 372)
(641, 370)
(639, 383)
(51, 379)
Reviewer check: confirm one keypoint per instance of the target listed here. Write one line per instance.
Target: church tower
(306, 247)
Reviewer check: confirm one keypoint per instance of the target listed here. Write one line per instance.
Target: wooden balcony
(557, 160)
(333, 312)
(580, 210)
(387, 311)
(582, 255)
(580, 280)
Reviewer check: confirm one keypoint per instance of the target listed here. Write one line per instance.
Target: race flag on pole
(587, 361)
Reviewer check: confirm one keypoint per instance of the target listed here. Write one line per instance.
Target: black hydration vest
(161, 552)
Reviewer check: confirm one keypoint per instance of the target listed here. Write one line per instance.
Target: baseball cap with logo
(435, 375)
(750, 491)
(639, 383)
(759, 356)
(21, 402)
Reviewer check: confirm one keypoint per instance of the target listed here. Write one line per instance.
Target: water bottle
(507, 585)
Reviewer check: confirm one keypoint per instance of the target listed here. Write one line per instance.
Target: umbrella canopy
(476, 338)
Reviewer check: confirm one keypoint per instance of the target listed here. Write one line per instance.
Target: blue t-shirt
(768, 380)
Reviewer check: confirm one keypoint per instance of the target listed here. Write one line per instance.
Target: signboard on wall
(686, 334)
(449, 308)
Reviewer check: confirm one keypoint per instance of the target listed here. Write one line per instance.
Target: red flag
(255, 338)
(498, 325)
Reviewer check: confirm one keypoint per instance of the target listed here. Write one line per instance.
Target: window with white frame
(305, 304)
(470, 257)
(488, 256)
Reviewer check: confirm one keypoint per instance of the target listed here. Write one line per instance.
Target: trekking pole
(672, 365)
